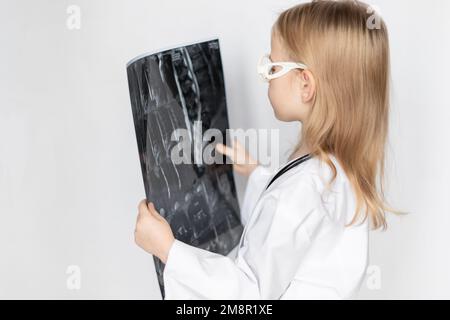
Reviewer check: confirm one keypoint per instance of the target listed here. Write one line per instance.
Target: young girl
(306, 225)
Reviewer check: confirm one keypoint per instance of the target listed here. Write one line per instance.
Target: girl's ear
(307, 86)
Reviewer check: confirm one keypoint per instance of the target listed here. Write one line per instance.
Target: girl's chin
(275, 113)
(279, 116)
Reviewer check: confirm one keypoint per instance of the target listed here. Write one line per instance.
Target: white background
(70, 178)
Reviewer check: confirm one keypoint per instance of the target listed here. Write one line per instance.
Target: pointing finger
(220, 147)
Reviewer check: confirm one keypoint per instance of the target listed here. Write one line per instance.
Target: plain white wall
(70, 178)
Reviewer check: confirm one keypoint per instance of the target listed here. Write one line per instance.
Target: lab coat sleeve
(255, 186)
(194, 273)
(266, 264)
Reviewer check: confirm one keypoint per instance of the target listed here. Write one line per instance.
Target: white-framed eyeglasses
(269, 70)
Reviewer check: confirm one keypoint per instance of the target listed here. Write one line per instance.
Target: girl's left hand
(153, 232)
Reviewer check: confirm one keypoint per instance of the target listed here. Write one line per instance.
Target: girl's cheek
(275, 93)
(273, 97)
(270, 93)
(275, 100)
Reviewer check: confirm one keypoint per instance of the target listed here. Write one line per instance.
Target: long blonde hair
(350, 115)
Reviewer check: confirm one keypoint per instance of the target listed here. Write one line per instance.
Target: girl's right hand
(243, 163)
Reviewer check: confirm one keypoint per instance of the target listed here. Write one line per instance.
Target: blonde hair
(350, 114)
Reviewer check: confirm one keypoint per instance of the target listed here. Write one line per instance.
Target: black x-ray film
(176, 89)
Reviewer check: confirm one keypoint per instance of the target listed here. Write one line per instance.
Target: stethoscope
(289, 166)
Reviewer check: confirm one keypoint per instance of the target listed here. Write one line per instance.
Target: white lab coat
(294, 246)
